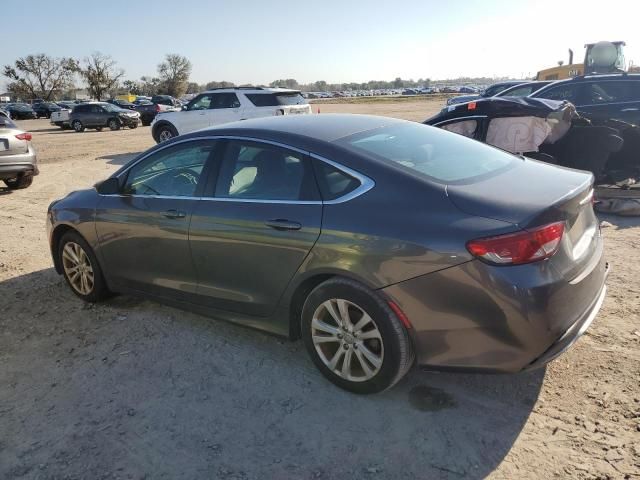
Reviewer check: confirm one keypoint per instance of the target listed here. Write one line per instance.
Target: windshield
(439, 155)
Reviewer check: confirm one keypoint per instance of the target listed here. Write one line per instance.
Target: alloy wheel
(165, 134)
(77, 268)
(347, 340)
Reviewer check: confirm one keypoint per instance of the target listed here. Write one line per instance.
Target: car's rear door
(143, 231)
(225, 107)
(259, 218)
(612, 99)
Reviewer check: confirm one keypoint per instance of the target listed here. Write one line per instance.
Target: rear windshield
(276, 99)
(6, 122)
(441, 156)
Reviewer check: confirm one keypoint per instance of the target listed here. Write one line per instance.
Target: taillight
(24, 136)
(157, 108)
(521, 247)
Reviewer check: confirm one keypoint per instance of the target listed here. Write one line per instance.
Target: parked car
(483, 261)
(67, 104)
(45, 109)
(490, 91)
(148, 110)
(21, 111)
(122, 103)
(99, 115)
(225, 105)
(166, 100)
(524, 89)
(599, 97)
(4, 113)
(18, 162)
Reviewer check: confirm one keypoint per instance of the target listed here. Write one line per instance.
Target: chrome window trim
(366, 183)
(460, 119)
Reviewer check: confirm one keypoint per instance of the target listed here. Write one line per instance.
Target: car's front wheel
(354, 337)
(165, 132)
(81, 269)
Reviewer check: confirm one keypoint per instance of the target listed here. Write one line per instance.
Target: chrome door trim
(366, 183)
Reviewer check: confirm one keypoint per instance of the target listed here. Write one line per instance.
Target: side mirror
(110, 186)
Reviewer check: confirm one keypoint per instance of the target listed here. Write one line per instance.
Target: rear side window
(81, 109)
(431, 152)
(333, 183)
(258, 171)
(612, 92)
(275, 99)
(224, 100)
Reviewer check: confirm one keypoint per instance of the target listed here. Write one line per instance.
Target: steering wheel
(183, 181)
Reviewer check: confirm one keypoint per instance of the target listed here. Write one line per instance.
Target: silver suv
(224, 105)
(17, 157)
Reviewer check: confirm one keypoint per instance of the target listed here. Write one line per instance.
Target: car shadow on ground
(119, 158)
(130, 387)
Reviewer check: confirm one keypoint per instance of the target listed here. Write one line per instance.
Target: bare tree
(40, 76)
(174, 74)
(101, 74)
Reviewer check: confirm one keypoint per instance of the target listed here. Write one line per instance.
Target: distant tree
(291, 83)
(398, 83)
(193, 87)
(222, 84)
(101, 74)
(132, 87)
(174, 74)
(321, 85)
(150, 86)
(40, 76)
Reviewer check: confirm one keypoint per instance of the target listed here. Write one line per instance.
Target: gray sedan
(381, 243)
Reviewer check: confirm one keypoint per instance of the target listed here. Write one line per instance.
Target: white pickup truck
(61, 118)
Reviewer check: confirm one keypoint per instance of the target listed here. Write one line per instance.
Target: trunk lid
(9, 144)
(533, 194)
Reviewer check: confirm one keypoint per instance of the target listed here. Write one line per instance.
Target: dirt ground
(133, 389)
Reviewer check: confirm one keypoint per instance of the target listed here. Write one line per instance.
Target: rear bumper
(477, 317)
(24, 164)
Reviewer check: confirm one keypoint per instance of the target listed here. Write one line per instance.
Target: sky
(336, 41)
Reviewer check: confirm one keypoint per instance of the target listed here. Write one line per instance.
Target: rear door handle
(282, 224)
(174, 214)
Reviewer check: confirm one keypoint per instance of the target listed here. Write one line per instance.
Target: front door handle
(174, 214)
(282, 224)
(629, 110)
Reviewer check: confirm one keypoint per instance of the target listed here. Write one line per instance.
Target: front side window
(264, 172)
(174, 171)
(201, 102)
(561, 92)
(431, 152)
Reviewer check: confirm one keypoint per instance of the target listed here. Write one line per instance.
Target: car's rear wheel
(354, 337)
(145, 123)
(77, 126)
(114, 124)
(98, 129)
(22, 181)
(166, 132)
(81, 269)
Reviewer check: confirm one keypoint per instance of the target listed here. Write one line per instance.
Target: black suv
(101, 114)
(45, 109)
(599, 97)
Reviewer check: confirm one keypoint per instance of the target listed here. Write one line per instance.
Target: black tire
(98, 129)
(145, 123)
(114, 124)
(133, 125)
(99, 290)
(398, 355)
(77, 126)
(165, 132)
(22, 181)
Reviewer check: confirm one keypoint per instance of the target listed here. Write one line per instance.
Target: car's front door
(143, 231)
(612, 99)
(196, 115)
(253, 229)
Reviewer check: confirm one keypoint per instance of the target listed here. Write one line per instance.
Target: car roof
(252, 89)
(324, 127)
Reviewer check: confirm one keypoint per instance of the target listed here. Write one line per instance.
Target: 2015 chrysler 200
(377, 241)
